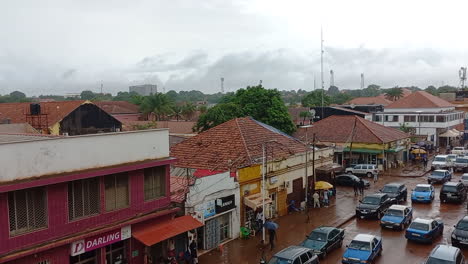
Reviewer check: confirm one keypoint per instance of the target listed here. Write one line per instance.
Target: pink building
(101, 198)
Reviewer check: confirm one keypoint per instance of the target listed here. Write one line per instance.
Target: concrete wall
(23, 160)
(429, 110)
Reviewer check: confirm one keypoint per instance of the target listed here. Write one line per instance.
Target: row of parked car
(458, 160)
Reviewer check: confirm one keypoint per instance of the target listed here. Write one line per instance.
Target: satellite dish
(312, 112)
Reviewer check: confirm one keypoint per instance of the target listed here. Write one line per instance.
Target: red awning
(160, 231)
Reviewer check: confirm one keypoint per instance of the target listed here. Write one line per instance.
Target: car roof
(394, 184)
(364, 237)
(398, 207)
(443, 156)
(379, 195)
(441, 170)
(423, 185)
(465, 174)
(422, 221)
(465, 218)
(323, 229)
(452, 183)
(444, 252)
(291, 252)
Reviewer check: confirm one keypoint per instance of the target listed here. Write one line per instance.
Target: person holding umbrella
(271, 227)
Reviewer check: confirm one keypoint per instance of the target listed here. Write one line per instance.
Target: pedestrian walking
(325, 198)
(193, 251)
(316, 200)
(361, 186)
(272, 237)
(355, 187)
(376, 177)
(425, 161)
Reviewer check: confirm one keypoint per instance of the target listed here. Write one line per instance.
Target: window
(155, 182)
(386, 118)
(83, 198)
(429, 119)
(115, 253)
(378, 118)
(27, 210)
(395, 118)
(409, 118)
(304, 258)
(43, 262)
(116, 186)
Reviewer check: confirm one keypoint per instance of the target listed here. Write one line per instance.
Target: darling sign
(91, 243)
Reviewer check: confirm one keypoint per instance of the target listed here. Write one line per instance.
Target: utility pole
(263, 190)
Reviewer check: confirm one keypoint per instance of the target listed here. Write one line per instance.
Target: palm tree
(394, 94)
(158, 103)
(188, 110)
(177, 111)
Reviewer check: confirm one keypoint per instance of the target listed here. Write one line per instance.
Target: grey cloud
(159, 63)
(69, 73)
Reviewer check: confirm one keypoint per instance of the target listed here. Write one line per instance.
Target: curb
(345, 221)
(409, 176)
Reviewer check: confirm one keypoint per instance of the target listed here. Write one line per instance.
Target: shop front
(109, 247)
(220, 219)
(254, 206)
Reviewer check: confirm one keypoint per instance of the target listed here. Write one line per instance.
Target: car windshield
(422, 189)
(449, 188)
(461, 160)
(275, 260)
(465, 177)
(359, 245)
(318, 236)
(371, 200)
(390, 189)
(393, 212)
(438, 173)
(440, 159)
(433, 260)
(457, 148)
(463, 225)
(419, 226)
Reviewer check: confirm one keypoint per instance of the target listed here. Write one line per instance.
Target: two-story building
(426, 115)
(102, 198)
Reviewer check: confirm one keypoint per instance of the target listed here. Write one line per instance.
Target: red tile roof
(234, 144)
(55, 111)
(420, 99)
(375, 100)
(118, 107)
(339, 129)
(177, 127)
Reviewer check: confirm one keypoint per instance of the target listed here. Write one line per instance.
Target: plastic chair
(244, 232)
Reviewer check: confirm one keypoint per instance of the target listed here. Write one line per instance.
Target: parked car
(439, 176)
(397, 191)
(363, 249)
(294, 254)
(461, 164)
(363, 169)
(464, 179)
(424, 230)
(349, 180)
(453, 191)
(440, 162)
(423, 193)
(397, 216)
(461, 151)
(460, 233)
(324, 239)
(373, 205)
(445, 254)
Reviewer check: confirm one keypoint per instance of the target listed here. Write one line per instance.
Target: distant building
(336, 110)
(144, 89)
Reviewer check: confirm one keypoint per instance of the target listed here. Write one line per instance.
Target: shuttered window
(117, 195)
(155, 182)
(27, 210)
(83, 198)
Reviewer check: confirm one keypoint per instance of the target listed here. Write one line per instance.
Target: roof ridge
(243, 141)
(363, 123)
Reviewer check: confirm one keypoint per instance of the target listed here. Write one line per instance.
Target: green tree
(333, 90)
(314, 98)
(17, 96)
(159, 104)
(340, 98)
(188, 110)
(432, 90)
(405, 128)
(371, 90)
(202, 109)
(217, 115)
(124, 96)
(261, 104)
(394, 94)
(305, 115)
(87, 95)
(177, 111)
(446, 89)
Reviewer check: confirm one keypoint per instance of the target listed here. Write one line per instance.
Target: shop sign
(209, 209)
(273, 179)
(91, 243)
(225, 204)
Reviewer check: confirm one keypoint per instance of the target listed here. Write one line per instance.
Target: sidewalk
(409, 170)
(292, 229)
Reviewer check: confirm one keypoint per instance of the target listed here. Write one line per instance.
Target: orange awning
(160, 231)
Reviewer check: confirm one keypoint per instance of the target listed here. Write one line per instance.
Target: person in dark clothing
(425, 161)
(272, 237)
(193, 251)
(361, 186)
(355, 187)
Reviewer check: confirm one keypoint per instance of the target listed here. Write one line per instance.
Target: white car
(440, 162)
(459, 151)
(464, 179)
(363, 169)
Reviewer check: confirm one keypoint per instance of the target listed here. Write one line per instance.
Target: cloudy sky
(66, 46)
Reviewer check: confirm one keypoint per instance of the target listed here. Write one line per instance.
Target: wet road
(396, 249)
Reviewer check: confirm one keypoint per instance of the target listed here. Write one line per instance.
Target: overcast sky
(66, 46)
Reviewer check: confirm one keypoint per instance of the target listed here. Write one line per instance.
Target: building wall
(429, 110)
(22, 160)
(57, 207)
